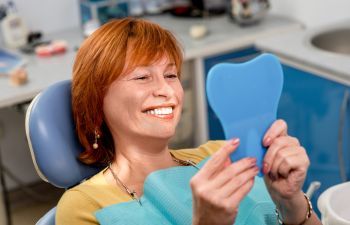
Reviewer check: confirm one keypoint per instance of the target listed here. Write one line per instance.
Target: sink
(336, 41)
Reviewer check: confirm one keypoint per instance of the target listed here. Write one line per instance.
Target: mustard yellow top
(78, 204)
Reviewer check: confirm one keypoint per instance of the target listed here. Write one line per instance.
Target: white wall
(313, 13)
(53, 15)
(48, 15)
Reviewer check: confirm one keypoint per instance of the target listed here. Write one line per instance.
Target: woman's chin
(162, 135)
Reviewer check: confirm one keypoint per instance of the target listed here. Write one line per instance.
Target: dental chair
(53, 142)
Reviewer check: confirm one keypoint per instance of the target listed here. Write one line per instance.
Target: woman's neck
(142, 161)
(136, 160)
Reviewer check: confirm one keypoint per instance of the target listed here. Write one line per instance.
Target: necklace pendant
(135, 197)
(190, 163)
(132, 194)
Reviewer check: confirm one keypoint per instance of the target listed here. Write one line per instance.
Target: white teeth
(160, 111)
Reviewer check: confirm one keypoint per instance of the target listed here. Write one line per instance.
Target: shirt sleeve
(200, 153)
(210, 148)
(75, 207)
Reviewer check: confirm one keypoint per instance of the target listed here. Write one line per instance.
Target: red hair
(100, 60)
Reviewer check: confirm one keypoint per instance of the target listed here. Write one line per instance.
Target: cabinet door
(311, 106)
(343, 145)
(215, 129)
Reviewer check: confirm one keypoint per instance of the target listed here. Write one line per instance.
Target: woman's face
(146, 102)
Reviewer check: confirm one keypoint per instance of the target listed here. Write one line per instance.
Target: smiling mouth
(163, 112)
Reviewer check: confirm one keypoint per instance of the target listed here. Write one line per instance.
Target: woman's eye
(144, 77)
(171, 76)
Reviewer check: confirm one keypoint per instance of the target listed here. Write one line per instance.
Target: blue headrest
(52, 139)
(245, 97)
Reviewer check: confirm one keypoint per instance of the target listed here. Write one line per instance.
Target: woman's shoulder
(78, 204)
(199, 153)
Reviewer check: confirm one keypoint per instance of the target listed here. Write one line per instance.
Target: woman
(127, 100)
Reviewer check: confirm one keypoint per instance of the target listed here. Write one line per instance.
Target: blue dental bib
(167, 200)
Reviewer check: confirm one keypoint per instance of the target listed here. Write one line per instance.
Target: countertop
(295, 48)
(224, 36)
(42, 71)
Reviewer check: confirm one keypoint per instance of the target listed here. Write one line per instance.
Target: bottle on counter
(248, 12)
(13, 28)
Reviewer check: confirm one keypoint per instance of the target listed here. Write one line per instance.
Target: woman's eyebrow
(171, 65)
(149, 67)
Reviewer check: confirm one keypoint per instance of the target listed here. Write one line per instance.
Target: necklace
(181, 162)
(132, 193)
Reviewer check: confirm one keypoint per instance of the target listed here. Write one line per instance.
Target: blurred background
(39, 39)
(50, 15)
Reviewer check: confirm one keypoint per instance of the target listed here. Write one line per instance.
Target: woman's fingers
(277, 129)
(218, 161)
(220, 185)
(234, 185)
(236, 197)
(233, 170)
(228, 196)
(275, 147)
(283, 156)
(289, 159)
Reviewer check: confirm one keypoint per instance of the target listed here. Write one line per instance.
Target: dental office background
(50, 16)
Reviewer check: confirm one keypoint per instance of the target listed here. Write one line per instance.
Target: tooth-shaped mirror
(245, 97)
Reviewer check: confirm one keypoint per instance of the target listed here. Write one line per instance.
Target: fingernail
(235, 141)
(227, 163)
(267, 141)
(256, 169)
(252, 160)
(265, 168)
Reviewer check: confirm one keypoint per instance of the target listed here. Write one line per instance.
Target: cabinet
(314, 109)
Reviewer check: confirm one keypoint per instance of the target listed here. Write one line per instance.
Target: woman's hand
(220, 185)
(285, 166)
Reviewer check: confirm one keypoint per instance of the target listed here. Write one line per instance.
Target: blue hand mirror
(245, 97)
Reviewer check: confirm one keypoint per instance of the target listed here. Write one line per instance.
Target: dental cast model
(198, 31)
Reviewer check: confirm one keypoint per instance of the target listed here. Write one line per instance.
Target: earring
(97, 136)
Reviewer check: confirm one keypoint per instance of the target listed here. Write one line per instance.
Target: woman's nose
(162, 88)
